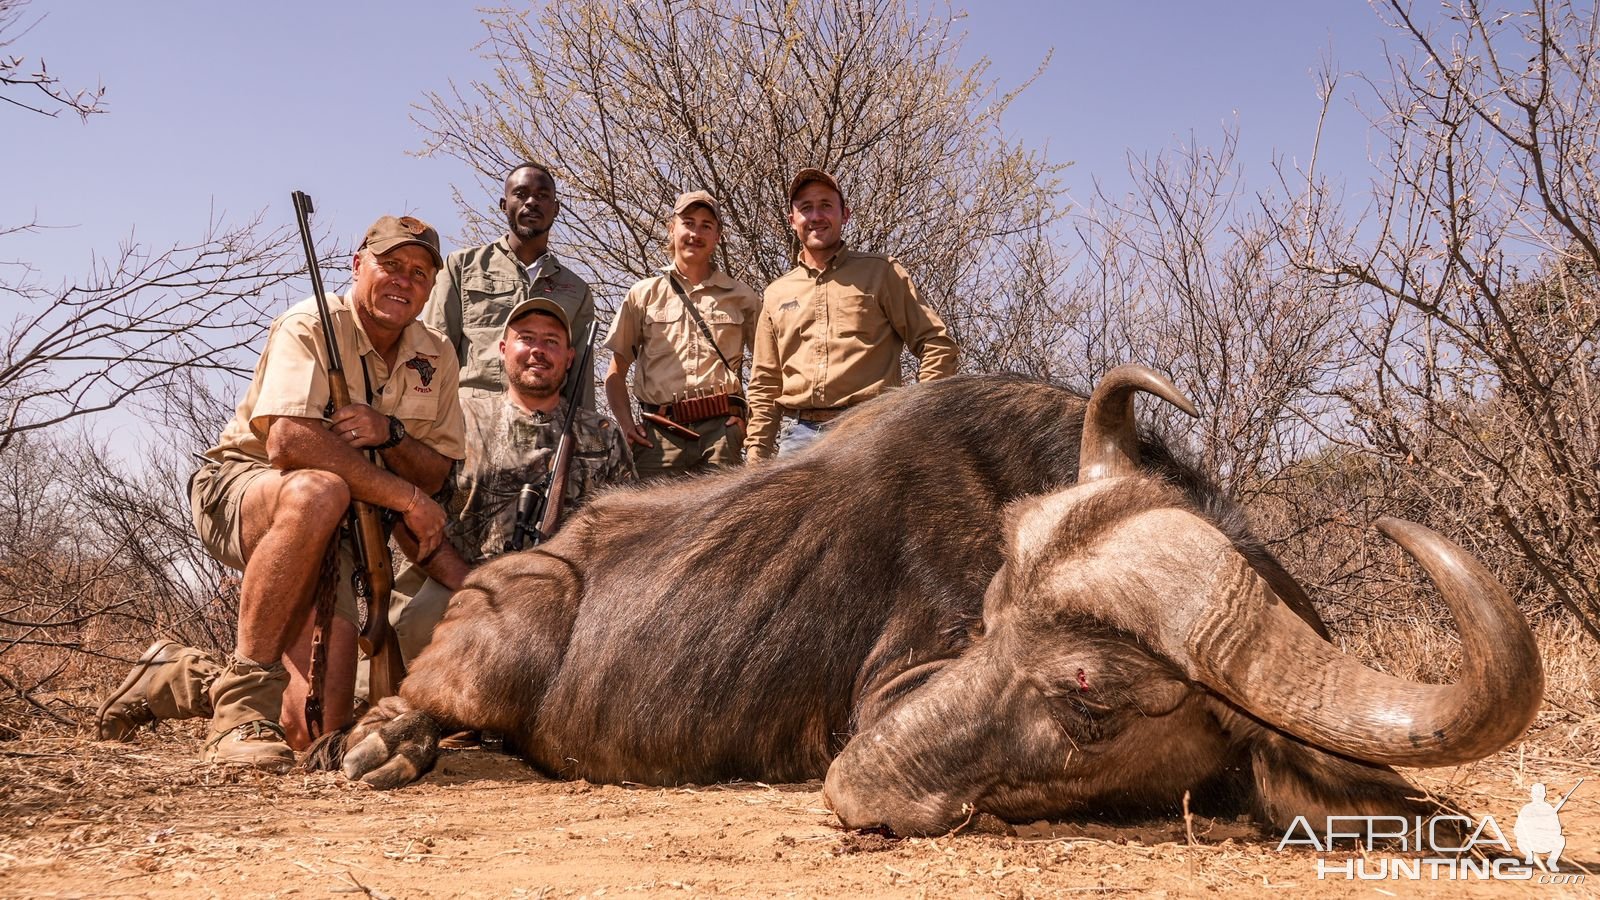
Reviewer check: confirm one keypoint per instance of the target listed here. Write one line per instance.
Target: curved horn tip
(1405, 532)
(1144, 378)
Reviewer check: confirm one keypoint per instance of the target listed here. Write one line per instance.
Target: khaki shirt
(653, 328)
(833, 338)
(507, 448)
(291, 379)
(475, 292)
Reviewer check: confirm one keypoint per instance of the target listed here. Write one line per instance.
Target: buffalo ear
(1291, 778)
(1296, 779)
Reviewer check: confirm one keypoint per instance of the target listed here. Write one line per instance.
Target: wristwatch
(397, 433)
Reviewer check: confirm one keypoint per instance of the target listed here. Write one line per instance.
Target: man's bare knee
(313, 495)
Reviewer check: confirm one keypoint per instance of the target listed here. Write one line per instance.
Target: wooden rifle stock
(374, 578)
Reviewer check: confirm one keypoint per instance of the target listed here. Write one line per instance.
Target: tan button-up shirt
(832, 338)
(653, 328)
(475, 292)
(291, 379)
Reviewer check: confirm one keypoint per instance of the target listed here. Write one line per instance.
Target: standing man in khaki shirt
(666, 324)
(831, 330)
(277, 487)
(479, 286)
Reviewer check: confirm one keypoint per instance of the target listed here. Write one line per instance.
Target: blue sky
(226, 108)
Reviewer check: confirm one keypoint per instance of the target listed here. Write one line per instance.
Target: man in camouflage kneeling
(511, 439)
(276, 488)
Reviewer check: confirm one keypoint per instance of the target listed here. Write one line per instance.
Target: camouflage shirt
(507, 448)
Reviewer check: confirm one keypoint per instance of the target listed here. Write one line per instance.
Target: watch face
(397, 433)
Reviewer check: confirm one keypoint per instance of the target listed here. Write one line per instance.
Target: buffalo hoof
(391, 747)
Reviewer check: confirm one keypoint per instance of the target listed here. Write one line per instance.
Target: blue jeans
(796, 435)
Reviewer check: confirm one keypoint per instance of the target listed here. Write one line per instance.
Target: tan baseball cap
(806, 176)
(700, 198)
(390, 232)
(544, 305)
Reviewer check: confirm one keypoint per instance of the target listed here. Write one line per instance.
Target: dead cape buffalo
(981, 594)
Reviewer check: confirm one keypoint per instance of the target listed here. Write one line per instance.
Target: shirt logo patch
(792, 304)
(424, 367)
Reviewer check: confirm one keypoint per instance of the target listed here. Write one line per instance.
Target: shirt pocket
(664, 319)
(856, 316)
(415, 407)
(486, 299)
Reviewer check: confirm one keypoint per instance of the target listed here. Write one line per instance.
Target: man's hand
(359, 425)
(425, 520)
(735, 422)
(637, 435)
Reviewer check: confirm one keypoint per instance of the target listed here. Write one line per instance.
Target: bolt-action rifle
(539, 506)
(373, 578)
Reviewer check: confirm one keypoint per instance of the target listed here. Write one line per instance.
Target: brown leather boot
(246, 700)
(170, 681)
(257, 743)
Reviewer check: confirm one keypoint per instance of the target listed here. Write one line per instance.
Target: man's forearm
(296, 443)
(617, 395)
(418, 463)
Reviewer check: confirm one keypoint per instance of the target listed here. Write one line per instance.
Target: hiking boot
(246, 700)
(258, 743)
(169, 681)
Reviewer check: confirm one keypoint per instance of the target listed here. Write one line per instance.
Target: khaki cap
(806, 176)
(544, 305)
(700, 198)
(391, 232)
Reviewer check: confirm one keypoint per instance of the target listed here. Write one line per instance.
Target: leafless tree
(142, 318)
(1476, 272)
(1186, 274)
(633, 103)
(18, 78)
(97, 557)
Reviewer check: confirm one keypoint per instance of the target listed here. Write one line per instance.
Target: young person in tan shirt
(665, 326)
(832, 329)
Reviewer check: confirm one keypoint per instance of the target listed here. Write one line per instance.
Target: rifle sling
(704, 328)
(327, 587)
(327, 590)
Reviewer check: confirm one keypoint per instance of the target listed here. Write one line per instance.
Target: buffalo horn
(1110, 445)
(1248, 646)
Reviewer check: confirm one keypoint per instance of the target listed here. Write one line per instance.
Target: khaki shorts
(216, 500)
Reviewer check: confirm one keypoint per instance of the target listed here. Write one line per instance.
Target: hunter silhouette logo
(1538, 828)
(424, 367)
(1446, 846)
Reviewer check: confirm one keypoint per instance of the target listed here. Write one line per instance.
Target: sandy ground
(87, 819)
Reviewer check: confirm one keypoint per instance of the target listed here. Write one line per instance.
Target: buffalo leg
(487, 668)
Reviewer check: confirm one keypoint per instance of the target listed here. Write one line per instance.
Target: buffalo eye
(1083, 681)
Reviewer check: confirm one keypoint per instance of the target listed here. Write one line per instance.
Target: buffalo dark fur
(746, 625)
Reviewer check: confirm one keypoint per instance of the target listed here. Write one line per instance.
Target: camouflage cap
(391, 232)
(806, 176)
(544, 305)
(700, 198)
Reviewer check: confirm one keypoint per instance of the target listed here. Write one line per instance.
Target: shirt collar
(542, 267)
(538, 416)
(717, 278)
(413, 340)
(839, 259)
